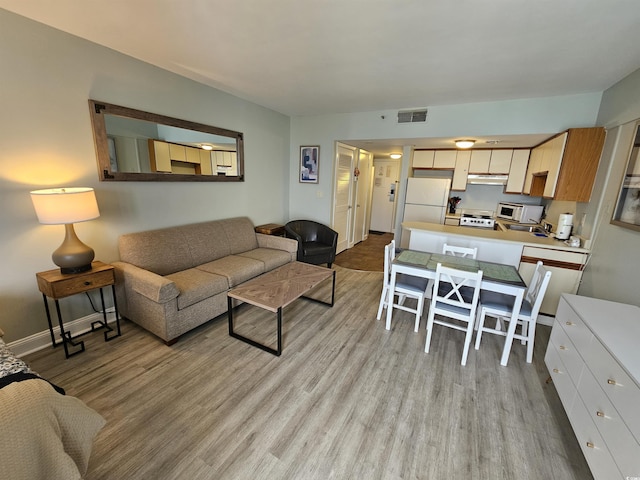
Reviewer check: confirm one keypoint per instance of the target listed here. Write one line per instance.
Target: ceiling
(341, 56)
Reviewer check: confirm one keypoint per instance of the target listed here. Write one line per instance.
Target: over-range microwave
(520, 212)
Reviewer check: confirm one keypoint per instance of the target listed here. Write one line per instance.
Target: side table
(271, 229)
(56, 285)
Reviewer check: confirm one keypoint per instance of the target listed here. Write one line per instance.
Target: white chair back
(460, 251)
(389, 255)
(406, 286)
(500, 307)
(455, 295)
(537, 288)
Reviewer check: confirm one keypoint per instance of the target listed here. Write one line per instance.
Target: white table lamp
(65, 206)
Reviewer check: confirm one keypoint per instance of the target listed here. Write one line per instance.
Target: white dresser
(594, 359)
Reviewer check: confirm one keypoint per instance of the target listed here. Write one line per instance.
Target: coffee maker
(565, 224)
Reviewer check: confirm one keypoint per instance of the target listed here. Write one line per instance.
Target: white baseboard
(545, 320)
(41, 340)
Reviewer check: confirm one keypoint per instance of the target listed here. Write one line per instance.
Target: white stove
(477, 219)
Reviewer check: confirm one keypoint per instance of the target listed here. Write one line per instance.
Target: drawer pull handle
(600, 414)
(562, 347)
(611, 382)
(555, 370)
(87, 283)
(590, 445)
(570, 323)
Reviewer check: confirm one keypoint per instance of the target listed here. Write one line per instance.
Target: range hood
(474, 179)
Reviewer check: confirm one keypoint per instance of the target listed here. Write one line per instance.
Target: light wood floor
(346, 400)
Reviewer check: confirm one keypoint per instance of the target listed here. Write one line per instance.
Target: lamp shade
(55, 206)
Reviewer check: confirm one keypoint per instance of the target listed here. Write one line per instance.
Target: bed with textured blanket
(45, 433)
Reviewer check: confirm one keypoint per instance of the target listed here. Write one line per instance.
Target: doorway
(386, 175)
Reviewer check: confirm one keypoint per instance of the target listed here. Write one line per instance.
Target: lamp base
(80, 269)
(73, 256)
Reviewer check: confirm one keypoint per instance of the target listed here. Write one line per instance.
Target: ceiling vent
(412, 116)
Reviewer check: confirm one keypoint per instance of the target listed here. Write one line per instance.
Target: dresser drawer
(561, 380)
(579, 334)
(619, 387)
(620, 442)
(568, 352)
(598, 456)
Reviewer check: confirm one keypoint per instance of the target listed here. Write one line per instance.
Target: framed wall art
(309, 161)
(627, 211)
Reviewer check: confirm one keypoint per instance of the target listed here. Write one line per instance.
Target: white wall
(612, 272)
(510, 117)
(46, 138)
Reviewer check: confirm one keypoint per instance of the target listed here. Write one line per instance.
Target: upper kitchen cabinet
(491, 161)
(480, 160)
(517, 171)
(564, 167)
(500, 161)
(445, 159)
(459, 182)
(423, 158)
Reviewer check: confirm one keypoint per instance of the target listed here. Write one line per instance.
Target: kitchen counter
(510, 236)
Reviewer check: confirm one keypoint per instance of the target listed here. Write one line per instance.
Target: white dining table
(496, 278)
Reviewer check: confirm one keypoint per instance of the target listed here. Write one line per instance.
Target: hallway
(367, 255)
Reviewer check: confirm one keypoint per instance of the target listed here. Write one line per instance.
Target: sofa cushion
(206, 241)
(235, 268)
(196, 285)
(241, 236)
(270, 257)
(161, 251)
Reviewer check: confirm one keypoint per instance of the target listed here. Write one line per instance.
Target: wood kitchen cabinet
(480, 160)
(564, 167)
(491, 161)
(517, 171)
(159, 156)
(461, 171)
(566, 272)
(423, 158)
(445, 159)
(500, 161)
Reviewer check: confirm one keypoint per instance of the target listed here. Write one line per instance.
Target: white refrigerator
(426, 201)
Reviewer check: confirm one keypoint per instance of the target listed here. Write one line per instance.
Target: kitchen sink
(526, 228)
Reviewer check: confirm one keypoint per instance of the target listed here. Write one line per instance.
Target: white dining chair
(500, 307)
(406, 286)
(460, 251)
(455, 296)
(456, 251)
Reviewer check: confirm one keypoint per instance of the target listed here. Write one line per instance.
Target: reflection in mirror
(132, 145)
(627, 211)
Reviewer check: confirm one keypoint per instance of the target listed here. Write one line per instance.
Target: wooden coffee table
(275, 290)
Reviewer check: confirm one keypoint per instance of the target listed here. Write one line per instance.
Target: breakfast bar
(521, 249)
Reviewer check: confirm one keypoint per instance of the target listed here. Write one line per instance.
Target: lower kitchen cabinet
(594, 362)
(566, 272)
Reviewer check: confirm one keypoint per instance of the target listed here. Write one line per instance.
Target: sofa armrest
(278, 243)
(151, 285)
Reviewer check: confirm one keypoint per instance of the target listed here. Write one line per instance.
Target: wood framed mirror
(627, 211)
(133, 145)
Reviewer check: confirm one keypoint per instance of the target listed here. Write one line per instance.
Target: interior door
(383, 201)
(343, 197)
(363, 196)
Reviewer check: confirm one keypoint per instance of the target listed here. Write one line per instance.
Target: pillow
(9, 363)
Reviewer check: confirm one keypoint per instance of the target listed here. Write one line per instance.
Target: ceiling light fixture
(465, 143)
(206, 146)
(395, 156)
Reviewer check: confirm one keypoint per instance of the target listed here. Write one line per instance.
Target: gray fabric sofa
(174, 279)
